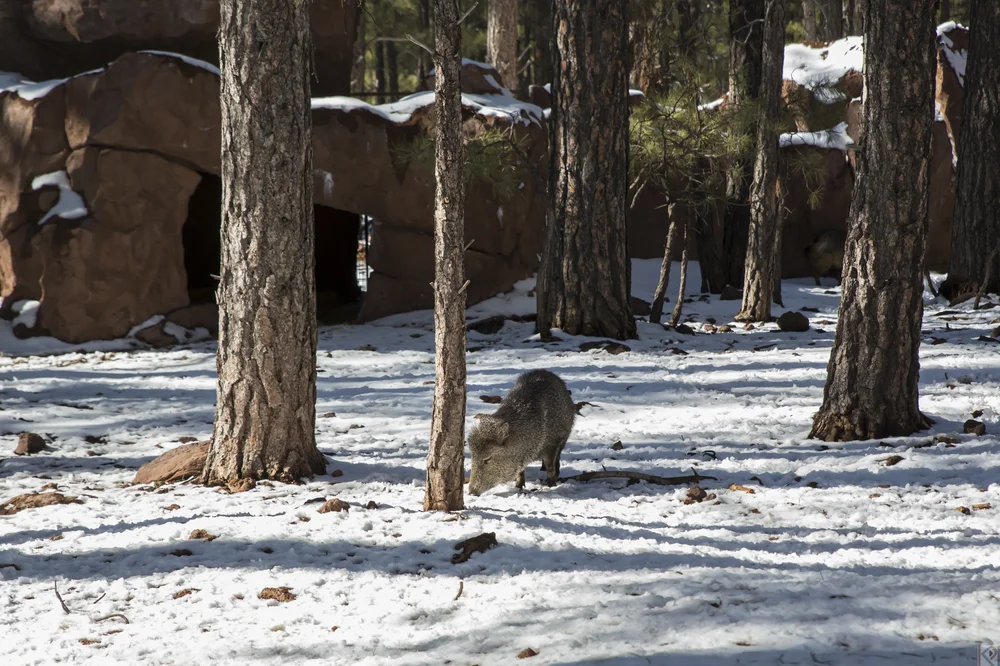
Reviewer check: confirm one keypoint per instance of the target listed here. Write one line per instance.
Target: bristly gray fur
(532, 423)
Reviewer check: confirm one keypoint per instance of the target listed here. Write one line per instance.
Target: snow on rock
(957, 57)
(201, 64)
(832, 138)
(821, 69)
(402, 111)
(27, 313)
(69, 206)
(12, 82)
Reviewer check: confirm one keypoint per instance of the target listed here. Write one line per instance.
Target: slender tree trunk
(646, 42)
(832, 19)
(660, 295)
(544, 44)
(945, 15)
(392, 60)
(758, 283)
(360, 48)
(424, 63)
(778, 241)
(872, 377)
(446, 458)
(852, 17)
(266, 399)
(746, 19)
(586, 274)
(809, 22)
(682, 286)
(501, 40)
(975, 232)
(380, 73)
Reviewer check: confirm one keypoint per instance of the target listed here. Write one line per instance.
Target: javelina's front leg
(520, 480)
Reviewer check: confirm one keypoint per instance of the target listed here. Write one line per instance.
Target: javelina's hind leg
(550, 463)
(520, 480)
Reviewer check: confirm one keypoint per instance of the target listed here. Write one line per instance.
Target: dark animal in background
(826, 254)
(532, 423)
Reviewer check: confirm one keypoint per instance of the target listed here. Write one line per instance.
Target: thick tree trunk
(975, 232)
(646, 41)
(758, 283)
(872, 377)
(586, 274)
(501, 40)
(746, 19)
(266, 403)
(446, 458)
(809, 22)
(360, 47)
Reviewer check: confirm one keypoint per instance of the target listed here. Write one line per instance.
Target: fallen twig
(639, 476)
(113, 615)
(461, 586)
(62, 603)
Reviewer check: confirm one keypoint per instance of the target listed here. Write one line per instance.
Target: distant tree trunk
(832, 18)
(646, 42)
(446, 457)
(360, 47)
(852, 17)
(688, 13)
(266, 400)
(501, 40)
(872, 377)
(393, 62)
(746, 18)
(975, 232)
(541, 67)
(380, 73)
(809, 23)
(660, 295)
(675, 317)
(586, 273)
(758, 284)
(945, 11)
(424, 63)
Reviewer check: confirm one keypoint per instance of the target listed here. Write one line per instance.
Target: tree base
(833, 427)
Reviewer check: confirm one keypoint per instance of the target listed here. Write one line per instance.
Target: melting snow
(832, 138)
(207, 66)
(27, 313)
(402, 111)
(821, 69)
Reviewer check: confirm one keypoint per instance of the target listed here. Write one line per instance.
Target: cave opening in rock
(338, 295)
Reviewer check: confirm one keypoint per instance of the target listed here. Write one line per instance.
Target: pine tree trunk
(424, 63)
(266, 402)
(832, 18)
(660, 295)
(380, 73)
(852, 17)
(446, 457)
(541, 67)
(586, 275)
(872, 377)
(360, 46)
(758, 283)
(809, 23)
(393, 65)
(975, 232)
(746, 19)
(945, 15)
(501, 40)
(682, 286)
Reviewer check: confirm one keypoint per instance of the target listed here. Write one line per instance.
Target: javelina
(826, 253)
(532, 423)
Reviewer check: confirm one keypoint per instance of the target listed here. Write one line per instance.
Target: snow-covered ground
(835, 558)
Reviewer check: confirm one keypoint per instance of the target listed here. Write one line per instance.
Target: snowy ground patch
(835, 558)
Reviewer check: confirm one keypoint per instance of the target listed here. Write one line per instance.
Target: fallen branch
(113, 615)
(639, 476)
(461, 586)
(62, 603)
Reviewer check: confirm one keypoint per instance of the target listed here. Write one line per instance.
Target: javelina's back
(539, 407)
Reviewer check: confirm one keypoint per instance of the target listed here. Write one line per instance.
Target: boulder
(46, 39)
(793, 322)
(205, 315)
(177, 464)
(29, 443)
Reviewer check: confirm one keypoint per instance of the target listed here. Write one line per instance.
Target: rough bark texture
(975, 232)
(831, 19)
(761, 261)
(871, 385)
(852, 17)
(446, 457)
(660, 295)
(648, 66)
(501, 40)
(586, 273)
(746, 19)
(541, 65)
(392, 63)
(809, 23)
(265, 413)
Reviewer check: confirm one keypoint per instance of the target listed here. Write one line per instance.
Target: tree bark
(831, 19)
(872, 377)
(746, 18)
(682, 286)
(541, 66)
(660, 295)
(424, 63)
(392, 59)
(585, 277)
(758, 283)
(852, 17)
(945, 15)
(975, 232)
(646, 41)
(380, 73)
(501, 40)
(360, 47)
(809, 22)
(266, 401)
(446, 457)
